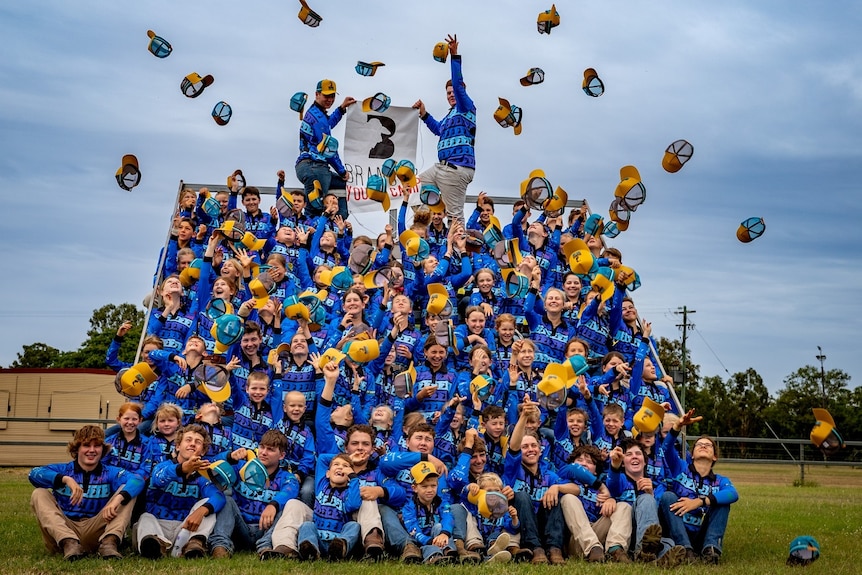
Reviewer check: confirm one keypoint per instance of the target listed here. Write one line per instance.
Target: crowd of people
(461, 392)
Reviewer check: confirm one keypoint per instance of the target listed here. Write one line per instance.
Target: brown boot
(220, 553)
(618, 555)
(374, 545)
(539, 557)
(465, 556)
(195, 549)
(411, 553)
(596, 555)
(72, 550)
(108, 547)
(519, 554)
(555, 555)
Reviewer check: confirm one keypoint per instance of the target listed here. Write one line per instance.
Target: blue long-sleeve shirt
(99, 486)
(171, 495)
(419, 520)
(314, 126)
(457, 131)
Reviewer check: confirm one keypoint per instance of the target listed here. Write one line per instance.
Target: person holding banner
(457, 132)
(318, 151)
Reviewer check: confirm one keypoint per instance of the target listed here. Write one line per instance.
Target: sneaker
(539, 557)
(651, 542)
(108, 547)
(72, 550)
(338, 549)
(194, 549)
(308, 552)
(675, 557)
(710, 555)
(519, 554)
(220, 553)
(555, 555)
(500, 557)
(411, 553)
(374, 545)
(596, 555)
(618, 555)
(152, 547)
(501, 544)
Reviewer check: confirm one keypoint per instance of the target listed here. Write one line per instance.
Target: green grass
(770, 512)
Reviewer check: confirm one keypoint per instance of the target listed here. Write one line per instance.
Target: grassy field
(770, 512)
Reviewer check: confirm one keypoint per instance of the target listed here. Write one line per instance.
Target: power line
(697, 331)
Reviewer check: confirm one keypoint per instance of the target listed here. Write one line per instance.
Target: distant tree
(670, 356)
(790, 414)
(711, 401)
(103, 326)
(37, 355)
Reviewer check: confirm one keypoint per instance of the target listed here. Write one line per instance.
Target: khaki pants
(368, 518)
(171, 532)
(286, 531)
(606, 531)
(55, 526)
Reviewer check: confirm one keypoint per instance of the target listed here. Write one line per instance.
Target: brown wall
(86, 394)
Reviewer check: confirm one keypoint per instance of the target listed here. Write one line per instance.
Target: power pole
(822, 358)
(684, 311)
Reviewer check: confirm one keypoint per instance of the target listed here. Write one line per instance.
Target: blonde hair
(489, 481)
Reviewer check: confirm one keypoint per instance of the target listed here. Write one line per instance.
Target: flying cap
(192, 273)
(221, 473)
(594, 225)
(516, 284)
(315, 196)
(803, 550)
(824, 436)
(360, 259)
(128, 175)
(620, 214)
(158, 46)
(630, 189)
(422, 471)
(405, 171)
(676, 155)
(295, 309)
(536, 190)
(193, 85)
(482, 386)
(388, 170)
(254, 473)
(308, 16)
(508, 254)
(508, 115)
(592, 84)
(362, 350)
(551, 390)
(491, 504)
(218, 307)
(261, 287)
(233, 226)
(226, 330)
(377, 278)
(330, 354)
(236, 182)
(611, 230)
(326, 87)
(221, 113)
(367, 68)
(328, 146)
(534, 76)
(414, 246)
(628, 277)
(297, 103)
(576, 366)
(430, 195)
(441, 52)
(438, 301)
(604, 283)
(402, 383)
(444, 334)
(339, 278)
(379, 102)
(213, 380)
(493, 233)
(750, 229)
(475, 241)
(582, 261)
(548, 20)
(649, 417)
(133, 380)
(556, 205)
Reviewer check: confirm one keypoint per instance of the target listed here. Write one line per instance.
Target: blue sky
(769, 93)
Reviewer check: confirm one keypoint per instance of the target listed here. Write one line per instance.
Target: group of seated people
(488, 395)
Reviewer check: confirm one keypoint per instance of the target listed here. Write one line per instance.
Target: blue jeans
(542, 528)
(232, 532)
(645, 511)
(308, 532)
(459, 521)
(394, 533)
(306, 491)
(710, 533)
(309, 170)
(430, 550)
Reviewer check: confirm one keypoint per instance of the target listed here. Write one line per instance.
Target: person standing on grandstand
(457, 132)
(314, 159)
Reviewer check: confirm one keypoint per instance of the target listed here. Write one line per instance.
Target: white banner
(371, 138)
